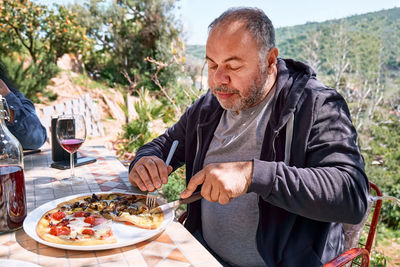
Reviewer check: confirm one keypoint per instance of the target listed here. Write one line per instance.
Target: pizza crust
(89, 242)
(145, 221)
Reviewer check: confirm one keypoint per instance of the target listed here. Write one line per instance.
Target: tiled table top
(173, 247)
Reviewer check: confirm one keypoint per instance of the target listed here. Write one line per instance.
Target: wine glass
(71, 133)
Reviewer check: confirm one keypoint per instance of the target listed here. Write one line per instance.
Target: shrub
(381, 152)
(139, 131)
(175, 186)
(33, 79)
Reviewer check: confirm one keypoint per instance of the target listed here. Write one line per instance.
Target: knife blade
(171, 205)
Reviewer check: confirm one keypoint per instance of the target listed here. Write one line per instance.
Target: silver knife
(171, 205)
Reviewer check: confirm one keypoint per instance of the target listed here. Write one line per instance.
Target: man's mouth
(224, 95)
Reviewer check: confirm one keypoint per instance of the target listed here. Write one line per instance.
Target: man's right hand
(149, 173)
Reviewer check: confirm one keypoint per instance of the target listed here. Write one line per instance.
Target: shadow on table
(43, 180)
(33, 246)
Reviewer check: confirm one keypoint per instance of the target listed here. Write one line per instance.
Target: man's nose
(221, 76)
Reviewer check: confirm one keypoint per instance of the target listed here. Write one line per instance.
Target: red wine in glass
(13, 210)
(72, 145)
(71, 133)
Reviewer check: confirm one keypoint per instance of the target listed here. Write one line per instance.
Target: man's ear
(271, 59)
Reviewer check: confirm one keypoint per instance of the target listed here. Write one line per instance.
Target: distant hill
(196, 51)
(369, 44)
(366, 39)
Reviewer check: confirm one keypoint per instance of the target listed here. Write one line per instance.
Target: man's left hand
(221, 181)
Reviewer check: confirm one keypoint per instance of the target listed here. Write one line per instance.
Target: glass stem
(72, 166)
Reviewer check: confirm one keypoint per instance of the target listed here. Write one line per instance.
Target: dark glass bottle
(12, 183)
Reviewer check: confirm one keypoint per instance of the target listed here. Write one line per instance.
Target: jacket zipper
(195, 156)
(276, 132)
(197, 149)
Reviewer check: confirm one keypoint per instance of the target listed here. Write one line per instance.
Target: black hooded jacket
(302, 204)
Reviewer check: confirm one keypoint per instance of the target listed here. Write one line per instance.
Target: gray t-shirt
(230, 230)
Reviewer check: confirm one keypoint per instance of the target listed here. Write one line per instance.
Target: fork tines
(151, 199)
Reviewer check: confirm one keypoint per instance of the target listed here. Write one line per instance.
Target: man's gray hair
(257, 23)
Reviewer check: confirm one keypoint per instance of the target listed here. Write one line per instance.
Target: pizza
(86, 220)
(75, 228)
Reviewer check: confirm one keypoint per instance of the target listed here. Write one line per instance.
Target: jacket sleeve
(332, 186)
(26, 126)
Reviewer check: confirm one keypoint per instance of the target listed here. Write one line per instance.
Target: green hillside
(196, 51)
(369, 44)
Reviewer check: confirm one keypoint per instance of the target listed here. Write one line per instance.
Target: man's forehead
(229, 42)
(228, 28)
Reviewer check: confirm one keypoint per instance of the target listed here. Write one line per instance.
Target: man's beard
(255, 92)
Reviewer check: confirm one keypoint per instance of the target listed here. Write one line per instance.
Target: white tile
(110, 184)
(158, 249)
(172, 263)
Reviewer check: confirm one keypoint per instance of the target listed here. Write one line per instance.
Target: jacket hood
(290, 83)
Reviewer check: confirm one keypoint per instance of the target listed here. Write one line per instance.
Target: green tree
(126, 32)
(32, 38)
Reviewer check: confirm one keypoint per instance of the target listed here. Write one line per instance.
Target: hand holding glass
(71, 133)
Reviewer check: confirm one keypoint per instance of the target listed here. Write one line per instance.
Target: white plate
(126, 235)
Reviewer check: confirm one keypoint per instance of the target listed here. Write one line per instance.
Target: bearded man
(272, 150)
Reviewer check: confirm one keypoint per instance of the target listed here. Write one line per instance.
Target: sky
(196, 15)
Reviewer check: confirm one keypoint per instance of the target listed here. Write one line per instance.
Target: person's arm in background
(24, 123)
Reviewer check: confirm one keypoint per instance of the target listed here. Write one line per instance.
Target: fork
(151, 197)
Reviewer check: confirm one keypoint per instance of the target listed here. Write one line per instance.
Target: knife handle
(195, 196)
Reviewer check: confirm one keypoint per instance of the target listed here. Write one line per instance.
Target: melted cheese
(101, 229)
(78, 224)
